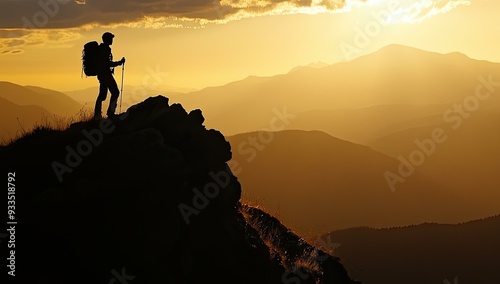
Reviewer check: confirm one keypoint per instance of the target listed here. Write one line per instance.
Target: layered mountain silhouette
(387, 101)
(393, 76)
(319, 183)
(53, 101)
(23, 107)
(467, 160)
(13, 118)
(377, 122)
(146, 198)
(132, 94)
(426, 253)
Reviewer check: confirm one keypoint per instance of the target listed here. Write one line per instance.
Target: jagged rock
(147, 195)
(197, 116)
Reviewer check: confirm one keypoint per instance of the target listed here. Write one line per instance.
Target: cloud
(55, 21)
(50, 14)
(417, 11)
(11, 51)
(24, 38)
(13, 42)
(77, 13)
(14, 33)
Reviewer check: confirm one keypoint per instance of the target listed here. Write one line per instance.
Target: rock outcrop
(144, 198)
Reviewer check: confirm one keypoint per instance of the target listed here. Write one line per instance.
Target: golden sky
(199, 43)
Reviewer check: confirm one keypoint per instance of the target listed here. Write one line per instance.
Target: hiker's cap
(107, 35)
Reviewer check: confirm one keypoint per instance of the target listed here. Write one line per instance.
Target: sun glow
(406, 11)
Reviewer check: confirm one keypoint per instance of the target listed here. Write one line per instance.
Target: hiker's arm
(115, 63)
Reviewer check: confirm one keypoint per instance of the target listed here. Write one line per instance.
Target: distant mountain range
(426, 253)
(131, 94)
(53, 101)
(21, 108)
(14, 118)
(317, 183)
(466, 160)
(393, 76)
(391, 101)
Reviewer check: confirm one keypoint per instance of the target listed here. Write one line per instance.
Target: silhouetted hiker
(105, 77)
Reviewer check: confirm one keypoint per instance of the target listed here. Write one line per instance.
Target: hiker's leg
(115, 93)
(103, 93)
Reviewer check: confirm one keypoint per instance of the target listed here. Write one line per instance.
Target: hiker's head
(107, 38)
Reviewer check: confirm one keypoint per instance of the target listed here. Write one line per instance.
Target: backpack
(90, 58)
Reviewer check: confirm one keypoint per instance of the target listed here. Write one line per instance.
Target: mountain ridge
(388, 76)
(327, 176)
(16, 119)
(488, 218)
(53, 101)
(425, 253)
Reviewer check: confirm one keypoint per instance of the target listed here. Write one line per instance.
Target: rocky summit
(146, 197)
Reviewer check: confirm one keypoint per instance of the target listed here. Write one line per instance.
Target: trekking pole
(121, 90)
